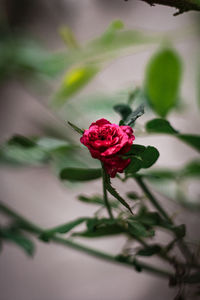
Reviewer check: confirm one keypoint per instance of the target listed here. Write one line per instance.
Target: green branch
(182, 246)
(36, 230)
(181, 5)
(107, 204)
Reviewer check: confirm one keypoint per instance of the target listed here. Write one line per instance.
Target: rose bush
(108, 142)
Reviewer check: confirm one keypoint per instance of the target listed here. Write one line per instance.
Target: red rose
(107, 142)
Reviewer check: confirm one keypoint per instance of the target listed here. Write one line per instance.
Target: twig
(36, 230)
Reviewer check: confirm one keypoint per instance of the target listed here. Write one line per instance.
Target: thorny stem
(182, 246)
(34, 229)
(105, 196)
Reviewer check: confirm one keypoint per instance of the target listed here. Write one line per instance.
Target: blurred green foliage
(163, 81)
(158, 94)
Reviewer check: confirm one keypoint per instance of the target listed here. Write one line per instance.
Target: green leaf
(106, 230)
(133, 195)
(19, 140)
(51, 144)
(149, 157)
(80, 174)
(128, 116)
(192, 169)
(47, 234)
(18, 155)
(130, 120)
(94, 223)
(74, 81)
(138, 229)
(77, 129)
(124, 110)
(163, 81)
(163, 126)
(20, 150)
(149, 250)
(151, 218)
(69, 37)
(97, 200)
(115, 194)
(160, 174)
(136, 150)
(19, 239)
(190, 139)
(134, 166)
(160, 126)
(141, 157)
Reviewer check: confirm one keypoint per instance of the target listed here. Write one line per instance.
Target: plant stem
(153, 200)
(182, 246)
(36, 230)
(105, 196)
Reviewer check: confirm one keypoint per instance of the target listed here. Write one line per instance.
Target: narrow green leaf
(20, 150)
(192, 169)
(163, 81)
(160, 174)
(19, 239)
(18, 155)
(51, 144)
(107, 230)
(138, 229)
(97, 200)
(80, 174)
(22, 141)
(47, 234)
(73, 82)
(77, 129)
(130, 120)
(69, 37)
(94, 223)
(115, 194)
(150, 218)
(133, 195)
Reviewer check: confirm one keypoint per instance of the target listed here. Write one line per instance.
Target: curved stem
(182, 246)
(34, 229)
(105, 196)
(153, 200)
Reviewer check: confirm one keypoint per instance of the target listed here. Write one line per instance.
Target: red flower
(107, 142)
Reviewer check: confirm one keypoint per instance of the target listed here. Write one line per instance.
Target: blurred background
(33, 61)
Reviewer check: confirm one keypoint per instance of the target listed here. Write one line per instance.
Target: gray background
(55, 272)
